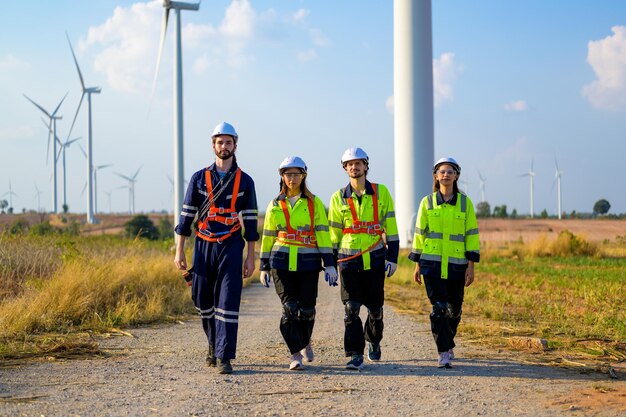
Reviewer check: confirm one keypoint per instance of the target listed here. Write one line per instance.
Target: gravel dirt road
(160, 371)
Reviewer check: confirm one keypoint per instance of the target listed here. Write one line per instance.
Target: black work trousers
(446, 297)
(365, 287)
(298, 294)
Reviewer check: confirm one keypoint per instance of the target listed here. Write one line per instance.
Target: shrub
(141, 226)
(19, 227)
(42, 229)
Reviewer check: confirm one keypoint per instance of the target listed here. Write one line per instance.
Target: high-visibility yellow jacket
(446, 236)
(360, 241)
(297, 245)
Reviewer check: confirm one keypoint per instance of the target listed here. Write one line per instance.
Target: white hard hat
(292, 162)
(352, 154)
(450, 161)
(225, 129)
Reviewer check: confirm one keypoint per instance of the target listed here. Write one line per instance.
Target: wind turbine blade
(58, 153)
(80, 75)
(135, 176)
(556, 164)
(38, 106)
(104, 166)
(76, 114)
(49, 136)
(82, 150)
(166, 15)
(84, 187)
(69, 142)
(61, 102)
(123, 176)
(532, 160)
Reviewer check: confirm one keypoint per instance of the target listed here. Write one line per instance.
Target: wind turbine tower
(86, 91)
(413, 109)
(53, 122)
(557, 177)
(179, 167)
(482, 186)
(531, 174)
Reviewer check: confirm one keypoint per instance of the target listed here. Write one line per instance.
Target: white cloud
(128, 43)
(300, 15)
(318, 38)
(305, 56)
(519, 105)
(10, 63)
(239, 20)
(607, 57)
(445, 71)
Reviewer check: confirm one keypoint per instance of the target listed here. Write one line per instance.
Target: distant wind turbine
(482, 186)
(108, 193)
(130, 197)
(38, 197)
(53, 122)
(86, 91)
(62, 149)
(179, 171)
(464, 185)
(95, 183)
(10, 193)
(531, 174)
(132, 179)
(557, 178)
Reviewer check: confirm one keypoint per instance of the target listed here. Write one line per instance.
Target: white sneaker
(444, 360)
(451, 352)
(296, 362)
(307, 352)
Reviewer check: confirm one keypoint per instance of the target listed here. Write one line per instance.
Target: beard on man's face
(224, 154)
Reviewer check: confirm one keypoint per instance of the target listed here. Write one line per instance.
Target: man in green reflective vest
(364, 234)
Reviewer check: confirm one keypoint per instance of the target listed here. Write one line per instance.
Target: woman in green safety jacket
(445, 247)
(295, 242)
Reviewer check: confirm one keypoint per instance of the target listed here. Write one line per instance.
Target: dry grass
(98, 284)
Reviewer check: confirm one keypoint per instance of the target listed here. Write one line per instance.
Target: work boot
(296, 362)
(355, 363)
(451, 352)
(444, 360)
(224, 366)
(373, 352)
(210, 357)
(307, 352)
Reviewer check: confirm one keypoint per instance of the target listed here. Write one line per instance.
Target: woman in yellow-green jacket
(445, 247)
(295, 243)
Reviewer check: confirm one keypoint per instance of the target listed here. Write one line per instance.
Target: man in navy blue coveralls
(220, 205)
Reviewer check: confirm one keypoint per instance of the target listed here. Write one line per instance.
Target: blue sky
(514, 81)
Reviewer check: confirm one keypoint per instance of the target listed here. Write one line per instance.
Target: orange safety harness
(372, 228)
(298, 237)
(227, 216)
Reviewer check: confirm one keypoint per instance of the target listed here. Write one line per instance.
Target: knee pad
(454, 313)
(440, 310)
(290, 310)
(352, 310)
(307, 314)
(376, 313)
